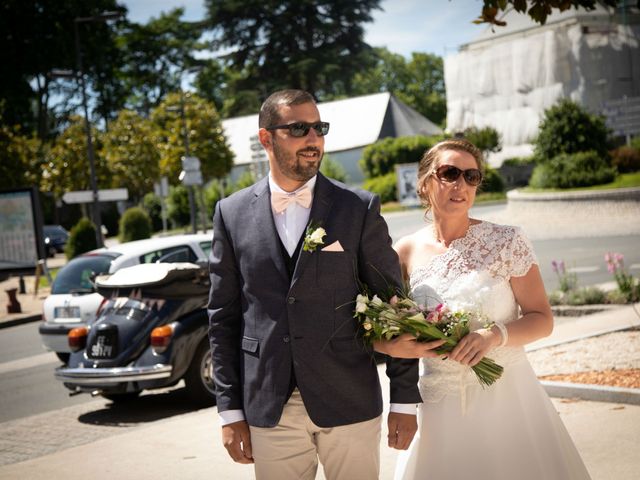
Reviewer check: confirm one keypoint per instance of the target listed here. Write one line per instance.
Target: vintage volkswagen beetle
(151, 332)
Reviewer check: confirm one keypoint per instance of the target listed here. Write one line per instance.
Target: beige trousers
(291, 449)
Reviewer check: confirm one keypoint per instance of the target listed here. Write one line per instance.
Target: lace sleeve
(521, 254)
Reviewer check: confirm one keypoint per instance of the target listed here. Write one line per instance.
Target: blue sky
(405, 26)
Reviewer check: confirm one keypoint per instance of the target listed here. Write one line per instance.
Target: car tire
(63, 357)
(121, 397)
(51, 252)
(199, 376)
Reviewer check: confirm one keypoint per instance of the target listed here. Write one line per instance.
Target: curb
(594, 393)
(20, 321)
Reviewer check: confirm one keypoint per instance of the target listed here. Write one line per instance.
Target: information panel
(20, 231)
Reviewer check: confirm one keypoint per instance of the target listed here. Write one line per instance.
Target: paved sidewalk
(188, 446)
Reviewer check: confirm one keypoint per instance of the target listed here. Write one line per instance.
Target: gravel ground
(613, 351)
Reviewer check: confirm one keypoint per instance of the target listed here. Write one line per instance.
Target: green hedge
(385, 186)
(381, 157)
(492, 181)
(572, 170)
(135, 224)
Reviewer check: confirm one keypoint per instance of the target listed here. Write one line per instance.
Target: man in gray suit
(294, 382)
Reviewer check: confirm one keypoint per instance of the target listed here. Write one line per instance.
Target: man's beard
(291, 167)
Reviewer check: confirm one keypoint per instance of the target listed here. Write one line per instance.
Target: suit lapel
(322, 201)
(267, 234)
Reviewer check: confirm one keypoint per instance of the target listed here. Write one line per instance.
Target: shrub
(135, 224)
(492, 181)
(568, 128)
(385, 186)
(245, 180)
(178, 210)
(572, 170)
(486, 139)
(82, 238)
(213, 194)
(380, 158)
(153, 206)
(626, 159)
(332, 169)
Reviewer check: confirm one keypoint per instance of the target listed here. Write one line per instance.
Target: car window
(182, 253)
(206, 248)
(76, 275)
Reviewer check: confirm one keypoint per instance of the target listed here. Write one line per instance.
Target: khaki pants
(290, 450)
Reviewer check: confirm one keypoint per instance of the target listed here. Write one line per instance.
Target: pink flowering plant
(568, 281)
(628, 285)
(384, 320)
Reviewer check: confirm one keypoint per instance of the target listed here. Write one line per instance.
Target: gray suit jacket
(263, 324)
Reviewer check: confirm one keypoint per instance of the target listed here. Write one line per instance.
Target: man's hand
(402, 428)
(406, 346)
(236, 438)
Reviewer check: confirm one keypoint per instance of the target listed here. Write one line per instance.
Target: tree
(131, 154)
(156, 55)
(538, 10)
(38, 37)
(569, 128)
(316, 45)
(418, 82)
(205, 136)
(487, 139)
(66, 165)
(19, 154)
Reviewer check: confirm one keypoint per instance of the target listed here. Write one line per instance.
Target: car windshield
(76, 275)
(54, 230)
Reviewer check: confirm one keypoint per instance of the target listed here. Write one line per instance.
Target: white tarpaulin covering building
(355, 123)
(507, 78)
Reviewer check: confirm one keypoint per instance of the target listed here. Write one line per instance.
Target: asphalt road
(26, 370)
(582, 255)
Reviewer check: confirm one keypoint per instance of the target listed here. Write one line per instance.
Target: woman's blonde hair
(429, 163)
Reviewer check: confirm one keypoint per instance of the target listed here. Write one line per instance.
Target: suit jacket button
(286, 339)
(291, 300)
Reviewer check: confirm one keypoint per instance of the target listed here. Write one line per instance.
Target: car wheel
(199, 376)
(121, 397)
(51, 252)
(63, 357)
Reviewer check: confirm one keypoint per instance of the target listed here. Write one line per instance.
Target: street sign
(190, 177)
(190, 163)
(623, 115)
(86, 196)
(161, 189)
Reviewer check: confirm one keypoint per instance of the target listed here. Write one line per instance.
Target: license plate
(66, 314)
(105, 345)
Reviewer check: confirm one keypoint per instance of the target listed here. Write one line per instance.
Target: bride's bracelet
(503, 333)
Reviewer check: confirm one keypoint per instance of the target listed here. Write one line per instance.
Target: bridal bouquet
(381, 320)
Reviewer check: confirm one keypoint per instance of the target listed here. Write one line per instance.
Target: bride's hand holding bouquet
(401, 327)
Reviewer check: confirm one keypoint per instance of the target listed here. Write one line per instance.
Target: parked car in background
(55, 239)
(151, 332)
(73, 301)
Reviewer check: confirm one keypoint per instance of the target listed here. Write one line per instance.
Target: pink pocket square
(334, 247)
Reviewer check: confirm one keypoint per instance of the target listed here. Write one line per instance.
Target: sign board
(407, 179)
(623, 115)
(161, 189)
(191, 177)
(86, 196)
(190, 163)
(21, 239)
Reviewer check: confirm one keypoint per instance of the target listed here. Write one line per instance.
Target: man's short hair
(269, 112)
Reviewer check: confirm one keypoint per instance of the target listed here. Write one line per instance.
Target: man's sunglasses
(450, 174)
(301, 129)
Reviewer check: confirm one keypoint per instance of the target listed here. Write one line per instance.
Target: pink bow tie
(281, 200)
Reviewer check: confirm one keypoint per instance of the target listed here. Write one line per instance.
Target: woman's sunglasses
(301, 129)
(450, 174)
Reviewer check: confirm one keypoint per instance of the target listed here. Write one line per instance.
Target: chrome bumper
(104, 376)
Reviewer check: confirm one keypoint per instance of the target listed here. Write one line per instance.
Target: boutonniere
(313, 237)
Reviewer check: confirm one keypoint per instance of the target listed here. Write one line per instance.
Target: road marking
(634, 266)
(28, 362)
(583, 269)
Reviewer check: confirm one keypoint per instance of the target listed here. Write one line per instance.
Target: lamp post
(103, 17)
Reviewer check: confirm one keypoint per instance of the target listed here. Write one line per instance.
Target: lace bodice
(473, 274)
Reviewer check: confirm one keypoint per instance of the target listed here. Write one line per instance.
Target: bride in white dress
(509, 430)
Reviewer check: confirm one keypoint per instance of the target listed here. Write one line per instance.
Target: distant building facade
(507, 78)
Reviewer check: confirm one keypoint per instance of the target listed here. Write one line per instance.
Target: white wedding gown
(511, 429)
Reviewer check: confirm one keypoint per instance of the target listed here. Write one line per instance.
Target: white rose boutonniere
(313, 237)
